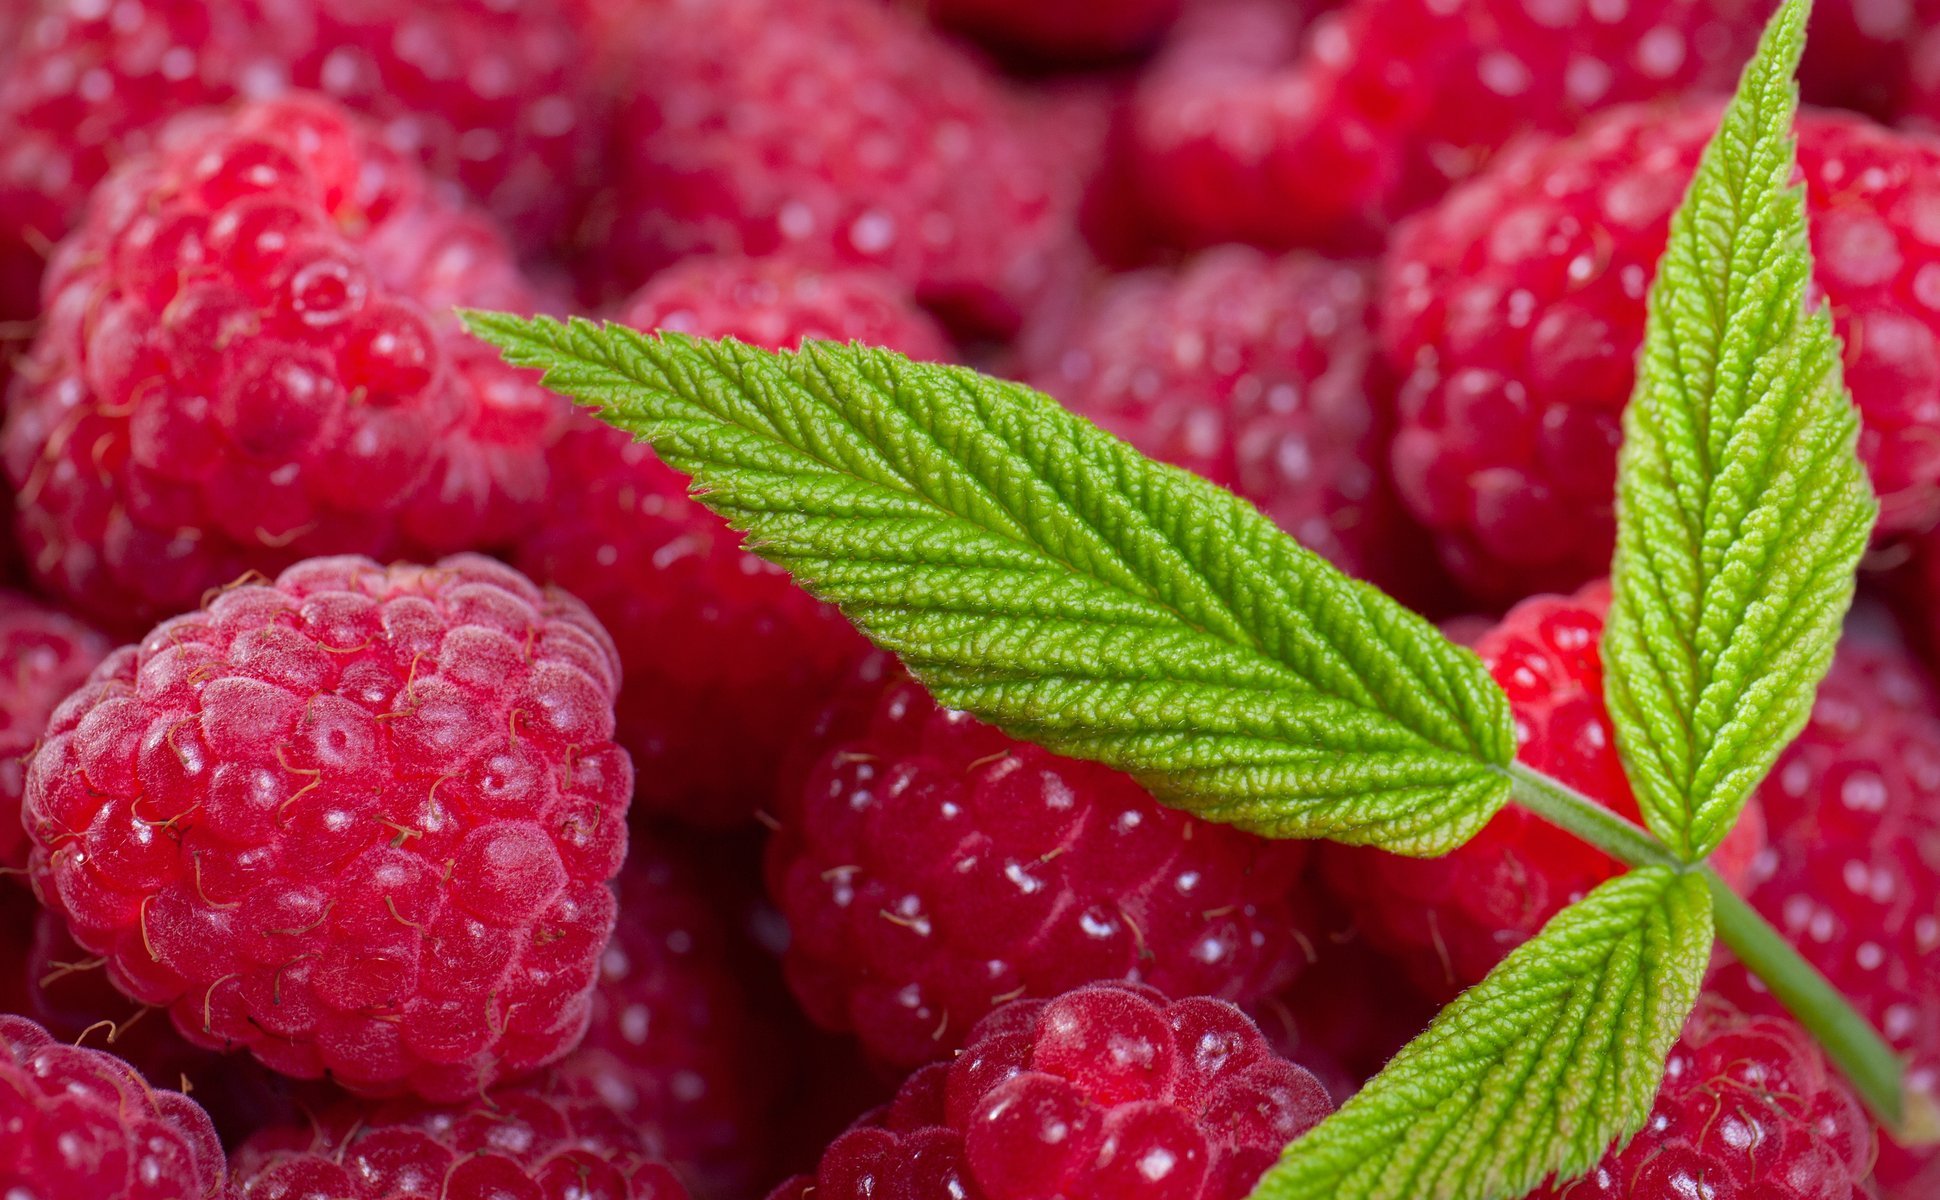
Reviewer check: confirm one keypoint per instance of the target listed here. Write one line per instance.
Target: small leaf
(1742, 506)
(1535, 1071)
(1038, 572)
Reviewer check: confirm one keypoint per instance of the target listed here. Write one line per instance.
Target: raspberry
(1262, 375)
(725, 659)
(65, 989)
(1852, 876)
(1857, 53)
(1749, 1110)
(1061, 30)
(1347, 1014)
(488, 93)
(80, 1122)
(1107, 1090)
(1517, 305)
(931, 868)
(679, 1042)
(778, 302)
(838, 131)
(1453, 918)
(517, 1143)
(359, 821)
(44, 655)
(1258, 124)
(248, 357)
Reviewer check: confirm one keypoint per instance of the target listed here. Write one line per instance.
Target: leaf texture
(1742, 505)
(1535, 1071)
(1035, 571)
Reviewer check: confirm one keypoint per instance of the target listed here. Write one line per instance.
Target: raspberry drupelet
(248, 357)
(77, 1122)
(1515, 308)
(1451, 919)
(44, 655)
(360, 821)
(1264, 122)
(516, 1144)
(487, 93)
(1852, 876)
(931, 868)
(840, 132)
(1260, 373)
(1107, 1090)
(1749, 1110)
(725, 658)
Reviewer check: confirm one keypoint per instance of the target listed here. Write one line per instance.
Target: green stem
(1563, 806)
(1874, 1069)
(1872, 1066)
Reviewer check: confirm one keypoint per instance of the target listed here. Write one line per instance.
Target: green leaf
(1742, 506)
(1037, 572)
(1535, 1071)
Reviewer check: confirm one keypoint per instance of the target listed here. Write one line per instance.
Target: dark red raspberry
(1749, 1110)
(1259, 373)
(1852, 876)
(249, 357)
(1858, 53)
(1107, 1090)
(680, 1042)
(44, 655)
(490, 93)
(78, 1122)
(931, 868)
(842, 132)
(1061, 30)
(1263, 123)
(1452, 918)
(359, 821)
(512, 1145)
(1347, 1014)
(725, 658)
(1516, 307)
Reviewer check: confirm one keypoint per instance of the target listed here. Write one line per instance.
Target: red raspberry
(44, 655)
(65, 989)
(519, 1143)
(488, 93)
(1105, 1091)
(359, 821)
(1749, 1110)
(841, 132)
(1516, 307)
(1262, 375)
(725, 658)
(1061, 30)
(1453, 918)
(248, 357)
(679, 1042)
(1259, 125)
(778, 302)
(1852, 876)
(931, 868)
(81, 1123)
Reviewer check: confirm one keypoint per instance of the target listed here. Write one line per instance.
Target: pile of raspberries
(408, 790)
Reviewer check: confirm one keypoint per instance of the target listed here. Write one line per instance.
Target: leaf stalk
(1875, 1070)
